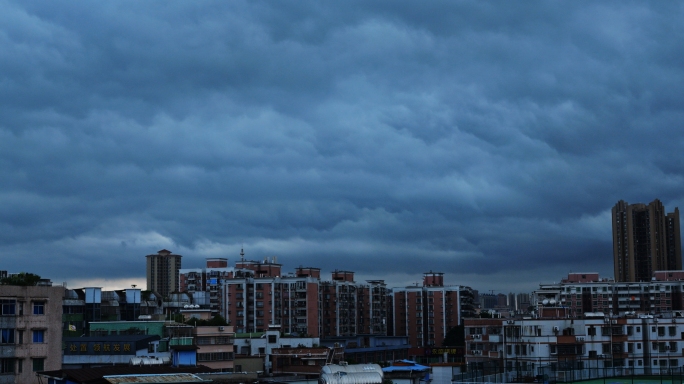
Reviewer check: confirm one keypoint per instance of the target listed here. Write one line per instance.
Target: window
(9, 307)
(39, 336)
(6, 365)
(38, 364)
(7, 336)
(38, 307)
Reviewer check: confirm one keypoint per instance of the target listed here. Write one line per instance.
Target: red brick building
(426, 313)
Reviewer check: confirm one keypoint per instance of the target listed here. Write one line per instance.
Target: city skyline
(486, 141)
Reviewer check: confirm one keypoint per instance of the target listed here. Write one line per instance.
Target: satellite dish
(545, 302)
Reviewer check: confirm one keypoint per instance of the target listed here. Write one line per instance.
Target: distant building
(488, 301)
(30, 331)
(163, 271)
(645, 239)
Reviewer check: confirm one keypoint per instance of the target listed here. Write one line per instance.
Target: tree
(455, 337)
(22, 278)
(217, 320)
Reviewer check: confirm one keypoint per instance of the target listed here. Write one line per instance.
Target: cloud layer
(484, 140)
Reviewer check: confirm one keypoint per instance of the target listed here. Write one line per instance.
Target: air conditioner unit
(556, 329)
(613, 321)
(476, 336)
(220, 328)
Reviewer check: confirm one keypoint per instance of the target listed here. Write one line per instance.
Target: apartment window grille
(38, 364)
(7, 365)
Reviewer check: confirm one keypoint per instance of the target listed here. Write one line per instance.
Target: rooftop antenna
(242, 253)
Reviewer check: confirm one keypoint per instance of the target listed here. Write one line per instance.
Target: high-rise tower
(163, 272)
(645, 240)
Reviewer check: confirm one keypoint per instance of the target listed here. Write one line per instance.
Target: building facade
(163, 269)
(582, 293)
(426, 313)
(215, 347)
(258, 295)
(254, 296)
(645, 239)
(570, 349)
(206, 284)
(30, 331)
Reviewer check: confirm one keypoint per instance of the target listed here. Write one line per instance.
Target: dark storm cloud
(484, 140)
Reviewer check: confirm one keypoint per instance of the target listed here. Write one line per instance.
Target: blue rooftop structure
(405, 366)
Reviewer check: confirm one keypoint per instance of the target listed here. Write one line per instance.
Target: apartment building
(30, 331)
(587, 292)
(209, 282)
(645, 239)
(163, 270)
(215, 347)
(426, 313)
(592, 346)
(257, 294)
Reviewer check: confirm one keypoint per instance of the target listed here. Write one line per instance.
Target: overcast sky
(485, 140)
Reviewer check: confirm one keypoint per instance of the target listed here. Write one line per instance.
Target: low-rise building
(97, 351)
(587, 292)
(592, 346)
(215, 347)
(30, 331)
